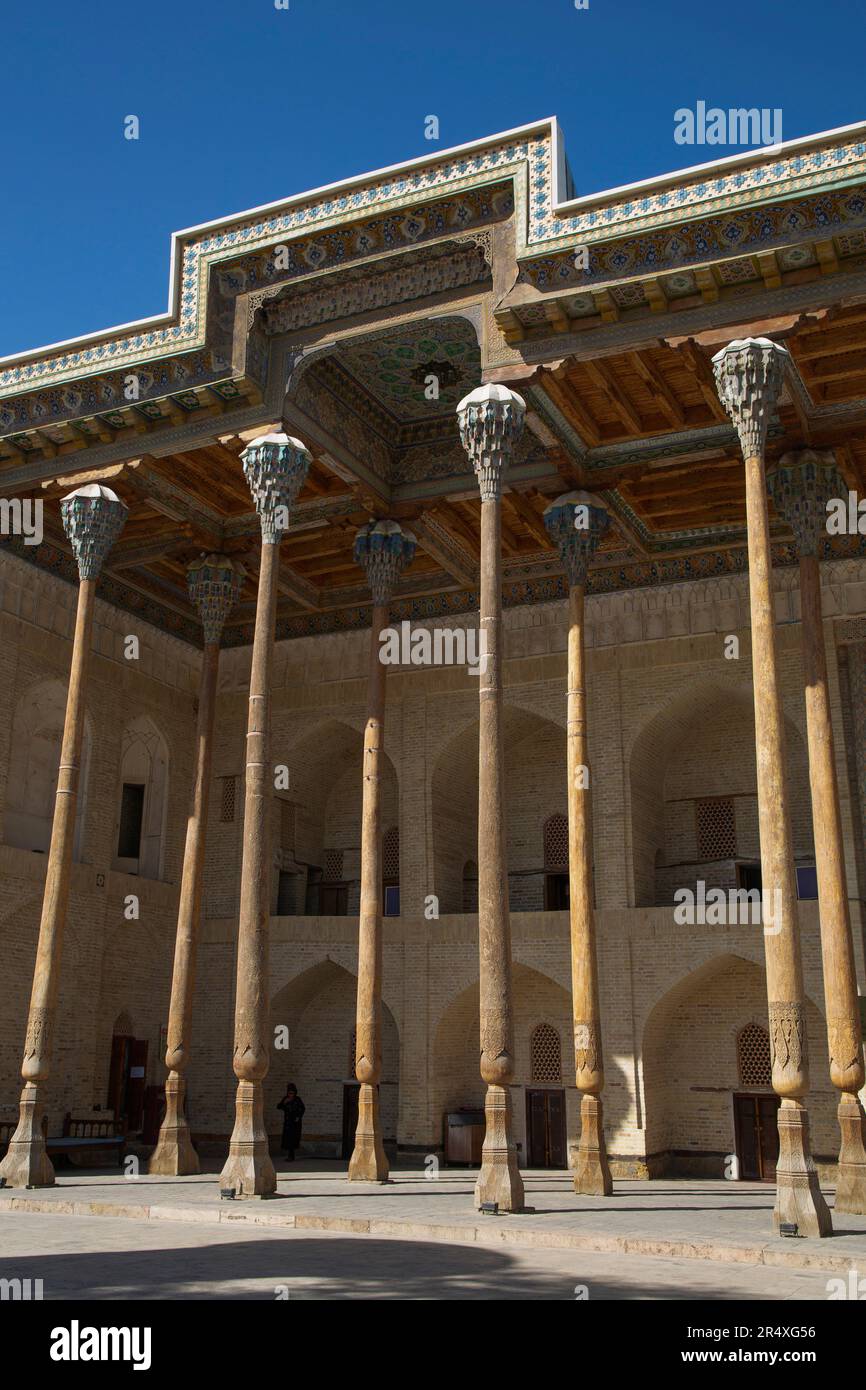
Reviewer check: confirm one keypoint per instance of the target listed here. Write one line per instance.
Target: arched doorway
(317, 1011)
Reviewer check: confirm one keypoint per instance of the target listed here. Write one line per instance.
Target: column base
(592, 1171)
(248, 1168)
(851, 1180)
(174, 1155)
(27, 1163)
(799, 1199)
(368, 1162)
(499, 1179)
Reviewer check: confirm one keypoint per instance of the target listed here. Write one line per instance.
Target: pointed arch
(34, 760)
(143, 799)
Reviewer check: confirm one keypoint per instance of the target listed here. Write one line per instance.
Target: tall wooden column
(749, 376)
(491, 421)
(93, 518)
(214, 583)
(576, 522)
(383, 549)
(801, 487)
(275, 467)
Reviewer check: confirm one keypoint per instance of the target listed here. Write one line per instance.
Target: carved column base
(248, 1168)
(368, 1162)
(798, 1197)
(26, 1163)
(592, 1170)
(499, 1179)
(851, 1180)
(174, 1154)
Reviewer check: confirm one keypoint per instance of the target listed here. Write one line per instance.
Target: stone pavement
(104, 1258)
(670, 1218)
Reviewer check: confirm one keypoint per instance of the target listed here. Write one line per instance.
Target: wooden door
(350, 1117)
(545, 1129)
(117, 1074)
(757, 1136)
(135, 1084)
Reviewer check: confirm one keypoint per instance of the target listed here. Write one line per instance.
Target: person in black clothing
(293, 1112)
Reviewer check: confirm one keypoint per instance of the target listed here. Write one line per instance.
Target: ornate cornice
(530, 159)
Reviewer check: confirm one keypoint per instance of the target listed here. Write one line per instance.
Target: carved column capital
(491, 423)
(801, 484)
(275, 466)
(749, 374)
(214, 583)
(93, 518)
(576, 522)
(383, 550)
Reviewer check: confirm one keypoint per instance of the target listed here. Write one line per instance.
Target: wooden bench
(82, 1135)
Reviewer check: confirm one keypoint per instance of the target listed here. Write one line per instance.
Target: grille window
(391, 854)
(716, 828)
(546, 1053)
(556, 842)
(333, 865)
(287, 826)
(227, 800)
(753, 1056)
(470, 886)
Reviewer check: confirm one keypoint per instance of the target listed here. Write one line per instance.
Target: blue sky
(240, 103)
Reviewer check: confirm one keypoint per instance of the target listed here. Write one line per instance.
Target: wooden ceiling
(655, 440)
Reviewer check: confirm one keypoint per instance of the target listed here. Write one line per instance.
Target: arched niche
(535, 789)
(34, 761)
(143, 800)
(693, 792)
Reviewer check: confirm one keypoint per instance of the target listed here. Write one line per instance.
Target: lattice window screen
(556, 842)
(546, 1051)
(753, 1056)
(227, 799)
(333, 865)
(353, 1044)
(470, 886)
(391, 853)
(717, 828)
(287, 826)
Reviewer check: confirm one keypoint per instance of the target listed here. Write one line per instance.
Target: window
(287, 826)
(749, 876)
(546, 1054)
(470, 886)
(807, 882)
(556, 864)
(131, 820)
(753, 1056)
(227, 799)
(556, 843)
(391, 873)
(716, 828)
(333, 865)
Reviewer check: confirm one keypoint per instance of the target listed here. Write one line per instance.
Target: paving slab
(668, 1218)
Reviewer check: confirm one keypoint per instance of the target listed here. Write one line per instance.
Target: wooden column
(801, 487)
(275, 466)
(749, 376)
(576, 522)
(491, 420)
(93, 518)
(214, 582)
(384, 550)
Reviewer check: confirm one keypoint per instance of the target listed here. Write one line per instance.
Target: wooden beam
(620, 402)
(653, 379)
